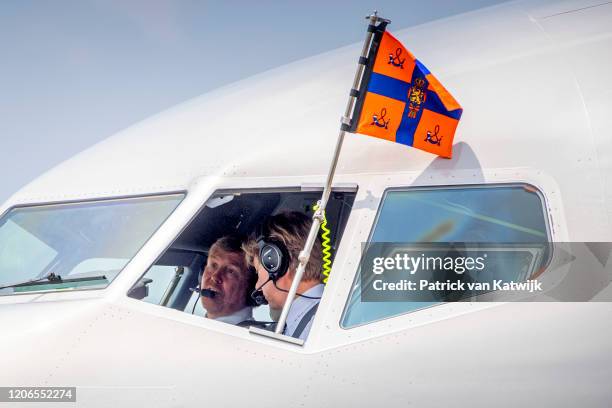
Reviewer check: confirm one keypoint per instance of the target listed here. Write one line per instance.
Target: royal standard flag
(401, 101)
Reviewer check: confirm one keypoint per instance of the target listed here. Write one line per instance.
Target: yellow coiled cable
(326, 246)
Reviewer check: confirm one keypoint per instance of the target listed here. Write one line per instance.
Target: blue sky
(74, 72)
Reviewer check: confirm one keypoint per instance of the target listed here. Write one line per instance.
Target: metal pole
(317, 217)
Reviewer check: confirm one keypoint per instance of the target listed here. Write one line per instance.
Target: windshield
(86, 244)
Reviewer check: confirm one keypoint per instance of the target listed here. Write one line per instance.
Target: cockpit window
(210, 270)
(500, 214)
(77, 245)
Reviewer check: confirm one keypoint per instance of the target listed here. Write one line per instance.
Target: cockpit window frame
(181, 194)
(545, 214)
(177, 315)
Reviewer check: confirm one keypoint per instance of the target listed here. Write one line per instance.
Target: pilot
(285, 234)
(227, 282)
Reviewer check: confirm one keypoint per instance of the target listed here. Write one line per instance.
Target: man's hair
(230, 243)
(291, 228)
(235, 243)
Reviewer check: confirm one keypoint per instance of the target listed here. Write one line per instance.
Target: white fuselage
(533, 80)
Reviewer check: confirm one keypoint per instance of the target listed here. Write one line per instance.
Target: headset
(275, 259)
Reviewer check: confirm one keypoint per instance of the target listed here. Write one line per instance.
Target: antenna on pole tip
(375, 19)
(373, 15)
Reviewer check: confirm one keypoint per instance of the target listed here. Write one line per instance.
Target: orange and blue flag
(401, 101)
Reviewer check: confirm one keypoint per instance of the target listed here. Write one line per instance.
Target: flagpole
(317, 217)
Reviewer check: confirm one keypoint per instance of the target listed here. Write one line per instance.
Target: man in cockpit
(227, 282)
(287, 232)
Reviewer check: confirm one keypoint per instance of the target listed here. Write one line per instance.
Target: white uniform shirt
(237, 317)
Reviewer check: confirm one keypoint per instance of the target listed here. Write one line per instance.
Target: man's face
(275, 297)
(227, 274)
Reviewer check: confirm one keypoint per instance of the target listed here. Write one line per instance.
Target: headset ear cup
(251, 300)
(274, 257)
(285, 259)
(258, 298)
